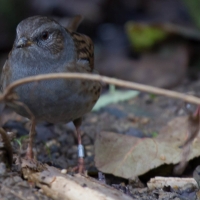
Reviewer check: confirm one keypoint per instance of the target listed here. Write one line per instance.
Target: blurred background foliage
(139, 40)
(193, 8)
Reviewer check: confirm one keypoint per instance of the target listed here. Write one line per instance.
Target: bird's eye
(45, 35)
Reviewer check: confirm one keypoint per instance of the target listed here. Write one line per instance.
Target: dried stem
(114, 81)
(7, 146)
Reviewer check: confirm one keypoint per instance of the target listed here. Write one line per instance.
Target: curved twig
(105, 79)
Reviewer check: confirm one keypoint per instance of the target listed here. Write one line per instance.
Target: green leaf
(144, 36)
(114, 96)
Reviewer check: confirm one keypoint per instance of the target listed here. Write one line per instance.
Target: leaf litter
(129, 157)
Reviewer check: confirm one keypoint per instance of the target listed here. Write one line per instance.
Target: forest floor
(56, 145)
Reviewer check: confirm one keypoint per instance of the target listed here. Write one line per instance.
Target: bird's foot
(80, 168)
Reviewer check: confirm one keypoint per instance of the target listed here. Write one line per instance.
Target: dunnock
(44, 46)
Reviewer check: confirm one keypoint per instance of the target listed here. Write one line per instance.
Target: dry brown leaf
(129, 157)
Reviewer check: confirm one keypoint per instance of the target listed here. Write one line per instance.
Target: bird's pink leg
(80, 167)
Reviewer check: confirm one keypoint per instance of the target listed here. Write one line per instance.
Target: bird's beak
(23, 42)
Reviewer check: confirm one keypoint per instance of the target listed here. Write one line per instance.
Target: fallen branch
(63, 186)
(173, 182)
(114, 81)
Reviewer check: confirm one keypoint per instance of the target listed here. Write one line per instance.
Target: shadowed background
(112, 24)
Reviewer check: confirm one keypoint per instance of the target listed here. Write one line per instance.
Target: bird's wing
(84, 49)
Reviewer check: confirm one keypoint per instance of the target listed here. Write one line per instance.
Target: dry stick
(114, 81)
(7, 146)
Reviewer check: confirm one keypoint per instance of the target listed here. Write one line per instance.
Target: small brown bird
(44, 46)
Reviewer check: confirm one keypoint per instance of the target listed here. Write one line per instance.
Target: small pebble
(51, 143)
(2, 168)
(72, 150)
(64, 171)
(89, 147)
(89, 153)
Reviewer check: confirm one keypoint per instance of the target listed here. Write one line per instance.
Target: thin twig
(114, 81)
(18, 103)
(7, 146)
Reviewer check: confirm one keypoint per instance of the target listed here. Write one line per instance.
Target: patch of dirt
(56, 145)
